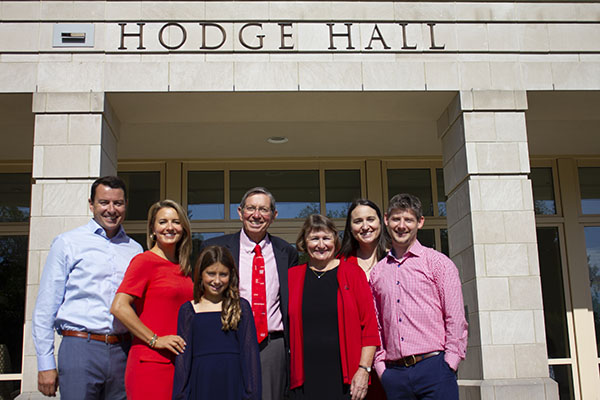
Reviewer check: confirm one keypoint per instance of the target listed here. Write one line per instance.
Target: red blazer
(357, 322)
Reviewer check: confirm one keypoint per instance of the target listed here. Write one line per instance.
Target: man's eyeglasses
(261, 210)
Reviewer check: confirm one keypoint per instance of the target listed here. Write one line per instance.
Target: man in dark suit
(263, 261)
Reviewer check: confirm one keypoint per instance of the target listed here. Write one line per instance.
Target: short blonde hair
(316, 223)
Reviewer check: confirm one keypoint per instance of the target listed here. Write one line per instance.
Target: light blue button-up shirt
(83, 271)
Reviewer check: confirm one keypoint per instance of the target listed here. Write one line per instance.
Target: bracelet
(368, 369)
(152, 341)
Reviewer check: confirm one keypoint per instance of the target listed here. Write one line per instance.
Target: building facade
(489, 111)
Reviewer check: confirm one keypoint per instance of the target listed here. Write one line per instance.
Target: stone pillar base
(35, 396)
(509, 389)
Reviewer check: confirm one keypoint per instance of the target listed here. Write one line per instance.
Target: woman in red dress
(157, 283)
(365, 243)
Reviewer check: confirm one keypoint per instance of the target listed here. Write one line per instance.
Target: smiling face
(403, 226)
(215, 280)
(167, 227)
(365, 225)
(108, 208)
(256, 216)
(320, 246)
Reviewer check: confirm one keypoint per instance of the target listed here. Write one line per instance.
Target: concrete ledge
(34, 396)
(508, 389)
(68, 102)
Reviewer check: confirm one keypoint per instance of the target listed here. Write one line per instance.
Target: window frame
(230, 223)
(139, 226)
(435, 221)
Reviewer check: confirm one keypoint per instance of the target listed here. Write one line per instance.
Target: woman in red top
(365, 243)
(157, 283)
(333, 328)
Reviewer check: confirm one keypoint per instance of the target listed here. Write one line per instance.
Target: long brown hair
(231, 310)
(349, 243)
(183, 248)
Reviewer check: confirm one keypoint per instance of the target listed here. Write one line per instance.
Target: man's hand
(48, 382)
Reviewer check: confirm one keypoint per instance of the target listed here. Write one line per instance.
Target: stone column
(492, 236)
(75, 142)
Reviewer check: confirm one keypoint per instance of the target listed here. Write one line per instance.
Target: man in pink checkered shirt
(420, 310)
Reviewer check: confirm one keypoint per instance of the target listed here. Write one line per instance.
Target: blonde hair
(231, 310)
(184, 246)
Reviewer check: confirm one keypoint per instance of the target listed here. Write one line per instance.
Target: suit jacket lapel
(282, 271)
(234, 248)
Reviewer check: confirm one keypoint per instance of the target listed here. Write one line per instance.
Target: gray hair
(258, 190)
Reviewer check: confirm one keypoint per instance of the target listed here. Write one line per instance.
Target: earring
(153, 236)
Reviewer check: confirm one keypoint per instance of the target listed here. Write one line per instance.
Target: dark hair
(406, 202)
(231, 310)
(258, 190)
(349, 243)
(318, 223)
(113, 182)
(183, 248)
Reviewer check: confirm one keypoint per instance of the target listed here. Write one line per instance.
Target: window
(441, 195)
(197, 239)
(214, 195)
(143, 190)
(414, 181)
(296, 192)
(15, 197)
(206, 195)
(426, 181)
(13, 271)
(543, 191)
(589, 186)
(551, 273)
(341, 188)
(592, 244)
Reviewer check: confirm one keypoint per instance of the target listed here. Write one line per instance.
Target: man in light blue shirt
(83, 271)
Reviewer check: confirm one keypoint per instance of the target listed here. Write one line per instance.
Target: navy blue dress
(217, 364)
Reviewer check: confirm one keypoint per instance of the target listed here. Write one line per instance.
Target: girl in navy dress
(221, 359)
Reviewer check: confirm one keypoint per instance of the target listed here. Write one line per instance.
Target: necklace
(318, 274)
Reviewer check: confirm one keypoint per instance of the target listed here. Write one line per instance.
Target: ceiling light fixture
(277, 139)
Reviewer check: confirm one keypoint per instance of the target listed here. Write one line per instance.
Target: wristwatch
(368, 369)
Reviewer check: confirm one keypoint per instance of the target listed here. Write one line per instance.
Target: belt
(108, 339)
(271, 336)
(410, 360)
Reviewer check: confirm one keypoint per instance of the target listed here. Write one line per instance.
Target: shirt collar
(96, 228)
(415, 250)
(247, 245)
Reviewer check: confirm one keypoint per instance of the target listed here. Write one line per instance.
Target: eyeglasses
(261, 210)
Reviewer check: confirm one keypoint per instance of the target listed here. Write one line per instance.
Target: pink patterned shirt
(419, 305)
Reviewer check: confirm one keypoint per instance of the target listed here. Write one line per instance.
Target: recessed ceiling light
(277, 139)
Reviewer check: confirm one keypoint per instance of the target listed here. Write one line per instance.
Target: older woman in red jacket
(333, 327)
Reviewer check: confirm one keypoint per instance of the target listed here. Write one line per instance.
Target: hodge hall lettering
(280, 37)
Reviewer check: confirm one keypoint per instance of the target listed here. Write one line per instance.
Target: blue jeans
(430, 379)
(91, 370)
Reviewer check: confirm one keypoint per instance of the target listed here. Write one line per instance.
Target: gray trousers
(273, 367)
(91, 370)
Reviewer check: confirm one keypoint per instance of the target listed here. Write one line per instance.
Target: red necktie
(259, 295)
